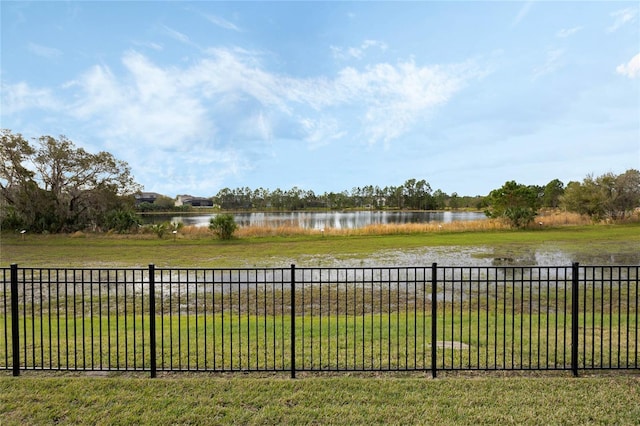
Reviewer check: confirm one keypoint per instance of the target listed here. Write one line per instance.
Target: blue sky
(327, 96)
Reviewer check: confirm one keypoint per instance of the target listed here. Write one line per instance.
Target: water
(473, 256)
(328, 220)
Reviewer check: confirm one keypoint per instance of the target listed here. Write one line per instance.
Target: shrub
(121, 221)
(223, 225)
(159, 229)
(176, 226)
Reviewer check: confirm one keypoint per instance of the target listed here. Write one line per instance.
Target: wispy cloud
(221, 22)
(220, 95)
(151, 105)
(19, 97)
(567, 32)
(357, 52)
(522, 13)
(177, 35)
(396, 96)
(551, 64)
(151, 45)
(387, 98)
(44, 51)
(222, 105)
(321, 131)
(631, 69)
(622, 17)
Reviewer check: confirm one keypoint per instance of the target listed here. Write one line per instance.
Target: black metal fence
(319, 319)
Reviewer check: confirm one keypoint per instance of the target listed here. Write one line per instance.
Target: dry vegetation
(548, 219)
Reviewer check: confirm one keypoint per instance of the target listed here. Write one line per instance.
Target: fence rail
(432, 318)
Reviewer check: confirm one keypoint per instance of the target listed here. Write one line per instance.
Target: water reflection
(337, 220)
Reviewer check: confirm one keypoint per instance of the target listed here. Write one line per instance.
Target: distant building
(190, 200)
(146, 197)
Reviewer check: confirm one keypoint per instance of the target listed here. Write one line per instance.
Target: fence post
(575, 297)
(434, 319)
(15, 330)
(152, 319)
(293, 321)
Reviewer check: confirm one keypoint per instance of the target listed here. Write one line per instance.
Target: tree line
(413, 194)
(606, 197)
(51, 185)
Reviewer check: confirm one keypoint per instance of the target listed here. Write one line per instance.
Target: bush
(10, 219)
(176, 226)
(159, 229)
(223, 225)
(121, 221)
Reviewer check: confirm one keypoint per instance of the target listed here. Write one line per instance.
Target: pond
(326, 220)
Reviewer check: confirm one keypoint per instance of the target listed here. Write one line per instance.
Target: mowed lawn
(35, 398)
(323, 398)
(391, 342)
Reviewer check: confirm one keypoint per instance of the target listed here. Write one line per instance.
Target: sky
(328, 96)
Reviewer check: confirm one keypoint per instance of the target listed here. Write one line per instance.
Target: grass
(455, 398)
(393, 341)
(312, 400)
(281, 250)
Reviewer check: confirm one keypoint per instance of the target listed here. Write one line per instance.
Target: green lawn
(38, 399)
(393, 341)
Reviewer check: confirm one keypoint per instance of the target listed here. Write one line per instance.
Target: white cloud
(630, 69)
(321, 131)
(210, 113)
(231, 95)
(567, 32)
(397, 96)
(358, 52)
(44, 51)
(19, 97)
(622, 17)
(150, 106)
(221, 22)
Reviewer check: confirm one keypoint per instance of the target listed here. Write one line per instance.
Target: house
(146, 197)
(190, 200)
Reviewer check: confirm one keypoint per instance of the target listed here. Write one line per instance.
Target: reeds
(545, 219)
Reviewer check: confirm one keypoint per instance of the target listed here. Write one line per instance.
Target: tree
(454, 201)
(604, 197)
(14, 151)
(416, 194)
(439, 199)
(223, 225)
(515, 202)
(584, 198)
(164, 203)
(552, 193)
(627, 193)
(17, 188)
(66, 189)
